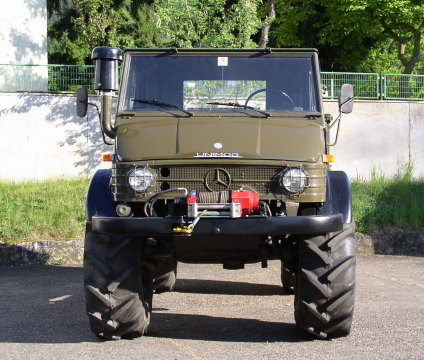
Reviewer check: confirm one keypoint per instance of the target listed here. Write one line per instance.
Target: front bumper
(220, 227)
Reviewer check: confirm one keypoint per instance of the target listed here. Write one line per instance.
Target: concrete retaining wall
(43, 137)
(48, 252)
(380, 134)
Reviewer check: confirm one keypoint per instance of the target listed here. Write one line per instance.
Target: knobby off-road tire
(116, 290)
(288, 278)
(165, 277)
(325, 290)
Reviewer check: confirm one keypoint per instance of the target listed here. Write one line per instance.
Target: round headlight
(295, 180)
(141, 179)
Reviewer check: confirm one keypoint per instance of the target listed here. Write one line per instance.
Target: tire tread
(114, 292)
(325, 290)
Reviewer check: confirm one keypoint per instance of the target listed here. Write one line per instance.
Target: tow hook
(187, 228)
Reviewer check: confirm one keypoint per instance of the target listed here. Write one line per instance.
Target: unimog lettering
(169, 197)
(217, 155)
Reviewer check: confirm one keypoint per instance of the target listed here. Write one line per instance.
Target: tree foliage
(97, 21)
(208, 23)
(90, 23)
(356, 28)
(351, 35)
(139, 23)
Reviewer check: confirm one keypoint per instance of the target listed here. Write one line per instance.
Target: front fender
(338, 196)
(99, 200)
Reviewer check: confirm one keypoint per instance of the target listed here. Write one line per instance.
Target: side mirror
(346, 98)
(82, 101)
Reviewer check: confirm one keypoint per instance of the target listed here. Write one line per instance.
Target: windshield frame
(314, 77)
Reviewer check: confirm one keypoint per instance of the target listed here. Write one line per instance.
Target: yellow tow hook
(188, 229)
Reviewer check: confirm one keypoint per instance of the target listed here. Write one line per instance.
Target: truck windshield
(275, 82)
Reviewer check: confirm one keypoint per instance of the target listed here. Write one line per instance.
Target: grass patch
(383, 202)
(48, 210)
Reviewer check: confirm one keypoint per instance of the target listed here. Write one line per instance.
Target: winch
(232, 203)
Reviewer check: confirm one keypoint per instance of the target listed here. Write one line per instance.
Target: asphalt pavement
(214, 314)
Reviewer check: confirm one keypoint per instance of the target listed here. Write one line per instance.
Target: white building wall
(23, 37)
(379, 135)
(42, 137)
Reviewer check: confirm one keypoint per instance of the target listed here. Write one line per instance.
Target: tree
(97, 22)
(400, 20)
(90, 23)
(263, 41)
(356, 28)
(300, 23)
(133, 23)
(208, 23)
(54, 6)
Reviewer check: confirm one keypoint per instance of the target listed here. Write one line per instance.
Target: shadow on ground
(45, 304)
(209, 328)
(190, 286)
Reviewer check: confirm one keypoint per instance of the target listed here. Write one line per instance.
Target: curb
(391, 241)
(49, 252)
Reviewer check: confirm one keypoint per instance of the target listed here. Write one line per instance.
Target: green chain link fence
(46, 78)
(399, 86)
(366, 86)
(68, 78)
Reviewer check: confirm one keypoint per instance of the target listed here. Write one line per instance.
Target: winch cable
(196, 220)
(188, 229)
(216, 197)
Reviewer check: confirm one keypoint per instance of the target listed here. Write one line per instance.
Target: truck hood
(219, 137)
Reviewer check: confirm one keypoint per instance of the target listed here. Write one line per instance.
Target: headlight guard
(294, 181)
(141, 179)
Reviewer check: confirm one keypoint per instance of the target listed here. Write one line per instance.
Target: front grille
(261, 179)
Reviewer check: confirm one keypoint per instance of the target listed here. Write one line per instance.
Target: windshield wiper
(163, 104)
(240, 106)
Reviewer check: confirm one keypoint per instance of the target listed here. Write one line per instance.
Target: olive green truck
(219, 157)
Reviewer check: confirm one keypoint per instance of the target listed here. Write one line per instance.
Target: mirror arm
(345, 90)
(335, 121)
(338, 120)
(98, 114)
(347, 101)
(92, 104)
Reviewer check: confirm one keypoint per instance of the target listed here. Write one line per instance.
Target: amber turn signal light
(328, 158)
(107, 157)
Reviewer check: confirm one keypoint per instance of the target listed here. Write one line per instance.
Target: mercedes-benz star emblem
(217, 180)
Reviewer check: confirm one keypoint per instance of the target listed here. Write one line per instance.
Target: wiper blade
(240, 106)
(163, 104)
